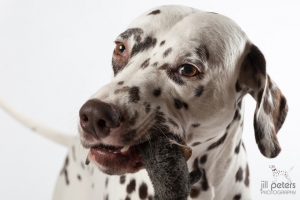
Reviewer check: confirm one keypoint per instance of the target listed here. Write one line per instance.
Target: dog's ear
(271, 105)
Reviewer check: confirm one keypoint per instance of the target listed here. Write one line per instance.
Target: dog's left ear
(271, 107)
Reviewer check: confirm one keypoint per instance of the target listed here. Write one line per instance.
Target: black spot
(127, 198)
(239, 175)
(162, 43)
(106, 198)
(167, 52)
(213, 13)
(199, 91)
(157, 92)
(106, 182)
(204, 182)
(179, 104)
(131, 186)
(164, 66)
(194, 192)
(155, 12)
(239, 104)
(243, 146)
(195, 125)
(134, 94)
(237, 148)
(129, 32)
(185, 105)
(195, 164)
(218, 143)
(259, 97)
(143, 191)
(150, 197)
(203, 159)
(247, 176)
(145, 63)
(175, 77)
(155, 64)
(64, 170)
(202, 53)
(122, 179)
(173, 122)
(188, 54)
(128, 136)
(133, 119)
(143, 46)
(237, 115)
(147, 107)
(79, 177)
(120, 83)
(237, 87)
(237, 197)
(82, 165)
(196, 144)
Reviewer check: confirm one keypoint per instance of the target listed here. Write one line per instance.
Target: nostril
(84, 118)
(101, 123)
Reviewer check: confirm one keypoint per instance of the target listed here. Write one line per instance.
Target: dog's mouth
(116, 159)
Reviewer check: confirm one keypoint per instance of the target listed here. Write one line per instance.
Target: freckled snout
(97, 117)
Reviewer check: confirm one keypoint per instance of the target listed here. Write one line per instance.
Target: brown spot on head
(204, 182)
(147, 107)
(167, 52)
(162, 43)
(195, 125)
(145, 63)
(148, 43)
(157, 92)
(173, 122)
(154, 12)
(154, 64)
(134, 94)
(120, 82)
(202, 53)
(199, 91)
(79, 177)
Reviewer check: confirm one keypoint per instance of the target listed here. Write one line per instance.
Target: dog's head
(182, 71)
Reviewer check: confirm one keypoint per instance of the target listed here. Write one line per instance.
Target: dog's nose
(96, 117)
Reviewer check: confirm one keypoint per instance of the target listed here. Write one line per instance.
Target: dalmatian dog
(277, 173)
(176, 70)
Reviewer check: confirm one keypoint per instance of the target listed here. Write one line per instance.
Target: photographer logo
(286, 187)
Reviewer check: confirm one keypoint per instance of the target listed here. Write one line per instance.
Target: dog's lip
(108, 155)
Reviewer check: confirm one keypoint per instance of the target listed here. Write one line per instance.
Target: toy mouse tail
(48, 132)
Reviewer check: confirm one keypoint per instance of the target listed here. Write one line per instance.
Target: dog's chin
(112, 161)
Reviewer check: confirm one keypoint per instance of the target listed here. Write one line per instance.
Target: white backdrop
(55, 54)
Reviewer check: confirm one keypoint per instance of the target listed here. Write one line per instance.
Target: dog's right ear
(271, 105)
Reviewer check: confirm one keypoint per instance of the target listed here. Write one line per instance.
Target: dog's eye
(188, 70)
(120, 49)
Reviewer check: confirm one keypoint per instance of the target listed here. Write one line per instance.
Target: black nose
(96, 117)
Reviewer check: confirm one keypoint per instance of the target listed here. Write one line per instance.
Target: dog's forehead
(187, 27)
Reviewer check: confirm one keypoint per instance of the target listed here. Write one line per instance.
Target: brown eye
(188, 70)
(120, 49)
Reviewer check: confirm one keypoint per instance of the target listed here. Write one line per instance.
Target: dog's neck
(220, 158)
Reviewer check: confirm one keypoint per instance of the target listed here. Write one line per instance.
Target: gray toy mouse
(165, 161)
